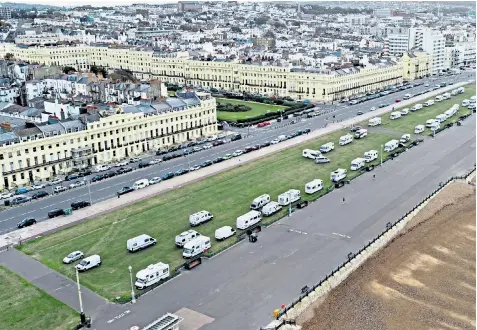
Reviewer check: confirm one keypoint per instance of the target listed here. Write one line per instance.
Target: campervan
(200, 217)
(152, 274)
(327, 147)
(391, 145)
(430, 122)
(395, 115)
(88, 263)
(441, 118)
(404, 111)
(416, 107)
(248, 219)
(435, 126)
(370, 155)
(357, 164)
(140, 242)
(374, 121)
(312, 154)
(454, 92)
(338, 175)
(361, 133)
(197, 246)
(185, 237)
(260, 201)
(419, 129)
(224, 233)
(288, 197)
(314, 186)
(446, 96)
(345, 139)
(465, 103)
(428, 103)
(271, 208)
(461, 90)
(439, 98)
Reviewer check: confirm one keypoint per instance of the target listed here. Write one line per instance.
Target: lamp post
(82, 315)
(89, 192)
(382, 150)
(289, 205)
(133, 296)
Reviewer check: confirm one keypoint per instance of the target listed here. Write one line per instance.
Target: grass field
(257, 110)
(24, 307)
(226, 195)
(406, 124)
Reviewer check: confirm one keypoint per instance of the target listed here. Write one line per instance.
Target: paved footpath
(55, 284)
(49, 226)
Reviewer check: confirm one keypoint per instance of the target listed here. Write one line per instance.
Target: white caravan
(186, 236)
(140, 242)
(441, 118)
(428, 103)
(312, 154)
(260, 201)
(338, 175)
(271, 208)
(357, 164)
(361, 133)
(327, 147)
(465, 103)
(248, 219)
(345, 139)
(200, 217)
(197, 246)
(395, 115)
(288, 197)
(416, 107)
(370, 155)
(430, 122)
(224, 233)
(374, 121)
(391, 145)
(314, 186)
(152, 274)
(419, 129)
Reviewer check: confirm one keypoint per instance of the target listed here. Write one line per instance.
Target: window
(10, 155)
(26, 151)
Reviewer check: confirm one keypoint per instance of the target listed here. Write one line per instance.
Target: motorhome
(374, 121)
(139, 184)
(140, 242)
(357, 164)
(288, 197)
(224, 233)
(248, 219)
(428, 103)
(454, 92)
(419, 129)
(361, 133)
(465, 103)
(338, 175)
(345, 139)
(472, 100)
(430, 122)
(271, 208)
(461, 90)
(441, 118)
(152, 274)
(197, 246)
(88, 263)
(370, 155)
(435, 126)
(311, 154)
(439, 98)
(185, 237)
(391, 145)
(200, 217)
(446, 96)
(395, 115)
(327, 147)
(416, 107)
(314, 186)
(260, 201)
(449, 113)
(404, 111)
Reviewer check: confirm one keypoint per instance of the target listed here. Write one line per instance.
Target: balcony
(52, 162)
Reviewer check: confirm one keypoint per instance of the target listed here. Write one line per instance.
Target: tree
(68, 69)
(9, 56)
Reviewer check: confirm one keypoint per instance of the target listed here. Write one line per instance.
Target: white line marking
(341, 235)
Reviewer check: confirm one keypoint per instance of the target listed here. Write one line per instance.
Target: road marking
(341, 235)
(120, 316)
(61, 287)
(298, 231)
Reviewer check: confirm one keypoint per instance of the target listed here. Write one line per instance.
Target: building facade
(396, 44)
(5, 12)
(41, 152)
(432, 42)
(416, 65)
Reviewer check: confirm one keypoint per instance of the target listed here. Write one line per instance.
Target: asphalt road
(242, 286)
(107, 189)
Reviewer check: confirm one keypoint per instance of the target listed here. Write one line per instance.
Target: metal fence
(351, 256)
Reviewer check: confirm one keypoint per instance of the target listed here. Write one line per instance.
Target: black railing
(51, 162)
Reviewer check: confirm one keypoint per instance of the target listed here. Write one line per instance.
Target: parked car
(263, 124)
(398, 100)
(236, 137)
(206, 163)
(167, 176)
(38, 186)
(154, 161)
(56, 213)
(125, 190)
(80, 204)
(39, 194)
(218, 143)
(372, 109)
(356, 128)
(20, 200)
(275, 141)
(85, 172)
(207, 146)
(97, 178)
(237, 153)
(73, 256)
(144, 164)
(6, 195)
(59, 189)
(227, 156)
(218, 160)
(55, 182)
(181, 172)
(77, 184)
(197, 149)
(26, 222)
(72, 177)
(322, 160)
(194, 168)
(134, 159)
(359, 113)
(155, 180)
(123, 163)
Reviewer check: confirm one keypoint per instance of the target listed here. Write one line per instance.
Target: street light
(133, 296)
(289, 205)
(89, 192)
(82, 315)
(382, 150)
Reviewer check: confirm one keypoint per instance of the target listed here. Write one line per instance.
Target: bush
(227, 107)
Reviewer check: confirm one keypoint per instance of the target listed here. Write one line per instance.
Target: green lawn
(257, 110)
(227, 195)
(23, 306)
(406, 124)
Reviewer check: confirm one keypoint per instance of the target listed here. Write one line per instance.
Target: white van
(224, 233)
(101, 168)
(430, 122)
(288, 197)
(404, 111)
(374, 121)
(465, 103)
(282, 137)
(449, 113)
(407, 96)
(139, 184)
(370, 155)
(271, 208)
(312, 154)
(391, 145)
(197, 246)
(338, 175)
(88, 263)
(461, 90)
(395, 115)
(314, 186)
(357, 164)
(419, 129)
(439, 98)
(428, 103)
(441, 118)
(200, 217)
(454, 92)
(140, 242)
(151, 275)
(327, 147)
(186, 236)
(446, 96)
(435, 126)
(345, 139)
(260, 201)
(248, 219)
(361, 133)
(416, 107)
